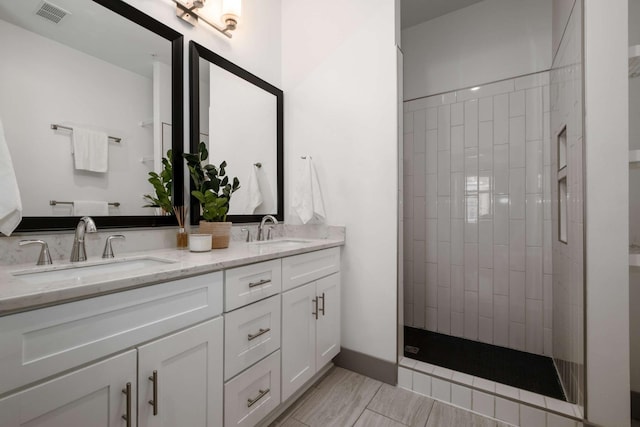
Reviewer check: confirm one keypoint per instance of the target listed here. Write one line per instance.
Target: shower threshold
(518, 369)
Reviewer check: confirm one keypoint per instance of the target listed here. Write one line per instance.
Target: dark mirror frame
(54, 223)
(197, 51)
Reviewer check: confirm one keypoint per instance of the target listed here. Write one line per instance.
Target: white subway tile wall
(477, 230)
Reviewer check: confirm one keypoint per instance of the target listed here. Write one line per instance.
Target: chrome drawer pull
(127, 416)
(154, 402)
(260, 332)
(263, 393)
(259, 283)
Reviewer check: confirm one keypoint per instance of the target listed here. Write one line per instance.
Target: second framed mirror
(239, 117)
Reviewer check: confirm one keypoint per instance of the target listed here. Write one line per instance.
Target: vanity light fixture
(191, 11)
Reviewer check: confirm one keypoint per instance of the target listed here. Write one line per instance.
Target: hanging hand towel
(90, 207)
(10, 202)
(254, 195)
(90, 150)
(307, 197)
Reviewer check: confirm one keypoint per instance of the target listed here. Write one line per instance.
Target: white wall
(607, 214)
(39, 88)
(482, 43)
(339, 79)
(561, 12)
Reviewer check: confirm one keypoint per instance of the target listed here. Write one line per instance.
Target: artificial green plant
(162, 184)
(211, 185)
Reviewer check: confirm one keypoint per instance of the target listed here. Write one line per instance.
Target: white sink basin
(84, 270)
(280, 244)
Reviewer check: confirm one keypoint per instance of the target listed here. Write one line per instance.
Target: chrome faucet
(266, 218)
(78, 251)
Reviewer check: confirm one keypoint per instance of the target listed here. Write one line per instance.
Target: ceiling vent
(51, 12)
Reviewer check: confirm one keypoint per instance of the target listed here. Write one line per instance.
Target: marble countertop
(17, 294)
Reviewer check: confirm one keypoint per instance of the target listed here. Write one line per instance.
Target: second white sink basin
(84, 269)
(279, 244)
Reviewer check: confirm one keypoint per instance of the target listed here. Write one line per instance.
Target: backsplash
(137, 240)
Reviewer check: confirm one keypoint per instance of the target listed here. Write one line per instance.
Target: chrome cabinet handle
(127, 416)
(323, 302)
(154, 379)
(259, 283)
(260, 332)
(315, 313)
(263, 393)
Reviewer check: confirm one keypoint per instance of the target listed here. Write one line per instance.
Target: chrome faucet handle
(269, 230)
(248, 239)
(108, 249)
(45, 256)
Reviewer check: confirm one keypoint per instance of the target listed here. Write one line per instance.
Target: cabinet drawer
(39, 343)
(250, 283)
(300, 269)
(250, 396)
(251, 333)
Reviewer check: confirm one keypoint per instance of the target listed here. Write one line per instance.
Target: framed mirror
(240, 118)
(100, 66)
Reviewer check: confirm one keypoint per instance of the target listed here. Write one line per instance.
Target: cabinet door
(298, 338)
(89, 397)
(328, 324)
(188, 381)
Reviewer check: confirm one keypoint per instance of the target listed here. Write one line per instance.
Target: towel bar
(56, 127)
(55, 202)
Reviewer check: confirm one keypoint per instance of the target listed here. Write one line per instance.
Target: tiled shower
(477, 218)
(493, 234)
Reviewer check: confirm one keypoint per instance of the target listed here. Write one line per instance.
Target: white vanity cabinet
(217, 349)
(310, 316)
(70, 363)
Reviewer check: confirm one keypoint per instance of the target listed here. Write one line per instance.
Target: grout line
(387, 417)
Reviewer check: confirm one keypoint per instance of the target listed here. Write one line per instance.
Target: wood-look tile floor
(345, 399)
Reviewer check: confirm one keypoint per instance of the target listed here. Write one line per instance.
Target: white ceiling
(416, 11)
(94, 30)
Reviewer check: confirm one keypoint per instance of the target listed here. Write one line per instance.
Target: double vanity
(168, 337)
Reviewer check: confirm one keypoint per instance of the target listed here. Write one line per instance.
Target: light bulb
(231, 11)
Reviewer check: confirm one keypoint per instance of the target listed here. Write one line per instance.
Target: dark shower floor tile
(512, 367)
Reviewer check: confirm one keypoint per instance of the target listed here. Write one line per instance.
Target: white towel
(307, 197)
(90, 150)
(90, 207)
(254, 195)
(10, 202)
